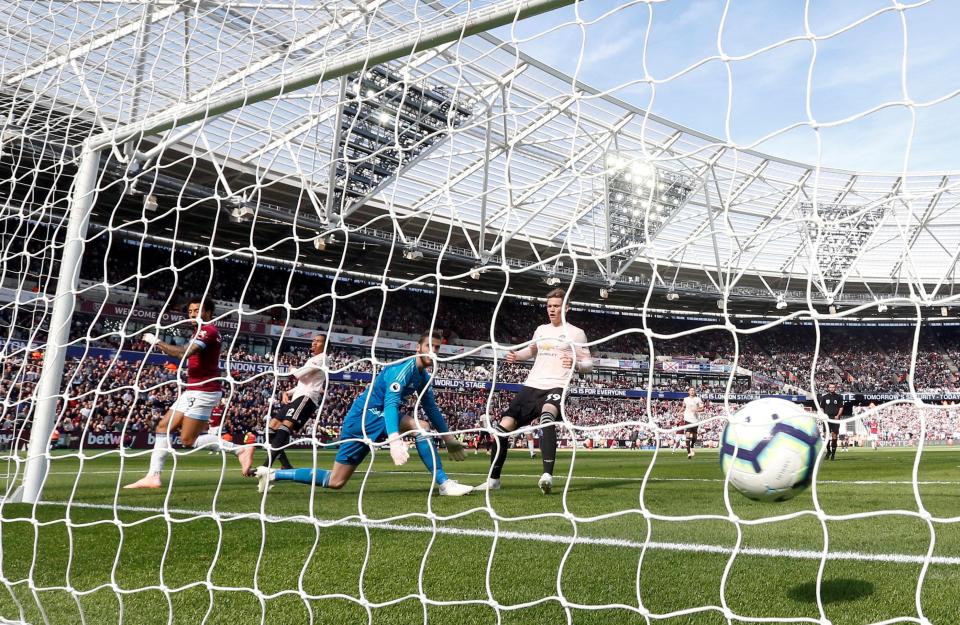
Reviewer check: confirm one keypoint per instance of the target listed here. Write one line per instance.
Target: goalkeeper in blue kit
(375, 414)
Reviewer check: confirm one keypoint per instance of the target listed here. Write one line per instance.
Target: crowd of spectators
(778, 356)
(113, 395)
(117, 396)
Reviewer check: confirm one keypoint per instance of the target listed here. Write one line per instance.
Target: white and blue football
(769, 449)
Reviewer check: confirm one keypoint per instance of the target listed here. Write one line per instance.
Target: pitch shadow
(832, 591)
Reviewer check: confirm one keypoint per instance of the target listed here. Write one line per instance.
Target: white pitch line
(564, 477)
(797, 554)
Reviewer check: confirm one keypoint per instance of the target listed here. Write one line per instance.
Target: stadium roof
(524, 170)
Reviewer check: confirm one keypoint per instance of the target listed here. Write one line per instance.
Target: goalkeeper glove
(398, 450)
(149, 338)
(456, 450)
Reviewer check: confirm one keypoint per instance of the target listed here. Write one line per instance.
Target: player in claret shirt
(557, 346)
(190, 414)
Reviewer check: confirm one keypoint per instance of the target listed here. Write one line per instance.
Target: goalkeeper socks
(320, 477)
(158, 457)
(276, 441)
(430, 458)
(548, 446)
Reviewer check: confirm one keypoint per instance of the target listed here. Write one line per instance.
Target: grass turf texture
(306, 572)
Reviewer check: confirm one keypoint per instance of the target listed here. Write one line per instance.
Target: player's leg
(530, 447)
(549, 422)
(834, 435)
(170, 423)
(499, 446)
(334, 479)
(351, 452)
(523, 409)
(216, 431)
(192, 434)
(691, 441)
(197, 416)
(295, 417)
(349, 456)
(548, 447)
(278, 435)
(431, 459)
(289, 429)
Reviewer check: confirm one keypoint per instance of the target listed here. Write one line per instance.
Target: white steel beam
(428, 36)
(314, 121)
(518, 139)
(486, 93)
(921, 224)
(286, 50)
(91, 44)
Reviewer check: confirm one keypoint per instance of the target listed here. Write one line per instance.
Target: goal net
(199, 200)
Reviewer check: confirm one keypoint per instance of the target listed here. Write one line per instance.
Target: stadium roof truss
(470, 135)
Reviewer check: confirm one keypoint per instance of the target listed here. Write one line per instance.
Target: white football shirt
(690, 407)
(311, 383)
(553, 343)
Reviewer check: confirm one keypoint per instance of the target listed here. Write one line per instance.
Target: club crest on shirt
(395, 387)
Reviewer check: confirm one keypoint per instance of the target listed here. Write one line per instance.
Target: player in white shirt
(558, 347)
(692, 407)
(299, 406)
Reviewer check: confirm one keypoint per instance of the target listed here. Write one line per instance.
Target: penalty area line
(794, 554)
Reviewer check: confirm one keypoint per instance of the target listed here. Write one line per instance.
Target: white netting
(369, 171)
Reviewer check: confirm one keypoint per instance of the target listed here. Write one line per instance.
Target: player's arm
(392, 398)
(454, 447)
(311, 366)
(519, 355)
(584, 358)
(176, 351)
(429, 403)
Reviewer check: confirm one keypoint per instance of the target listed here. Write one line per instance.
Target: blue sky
(854, 71)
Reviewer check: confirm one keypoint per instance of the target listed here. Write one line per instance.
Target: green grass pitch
(306, 556)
